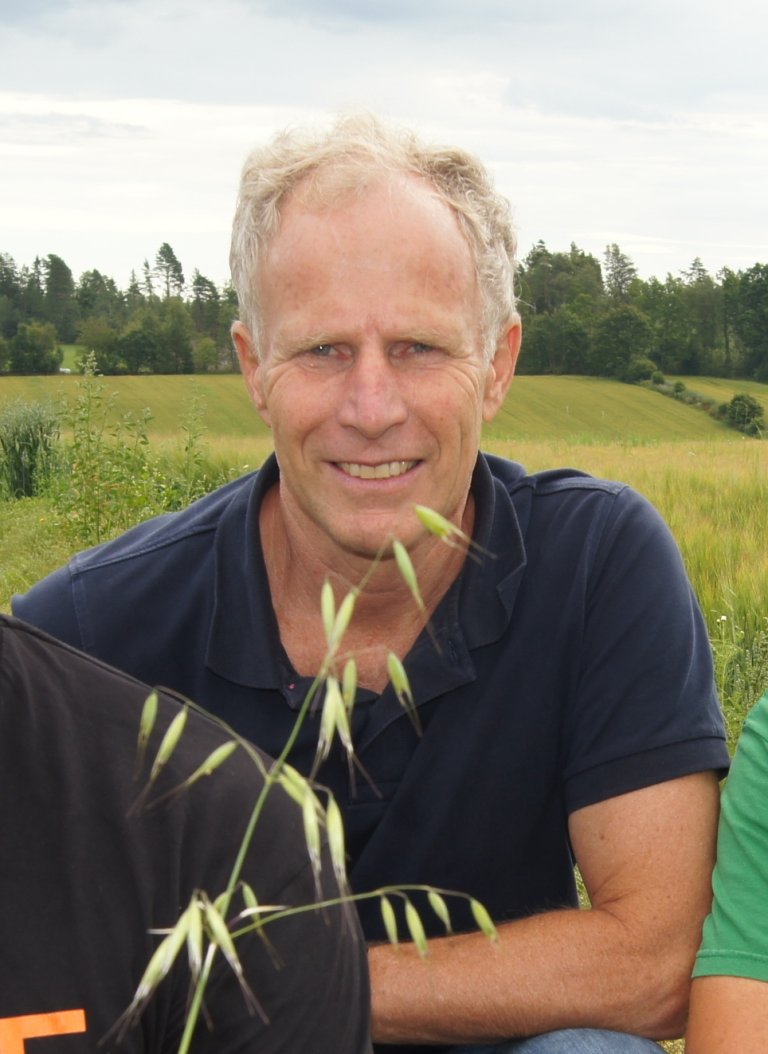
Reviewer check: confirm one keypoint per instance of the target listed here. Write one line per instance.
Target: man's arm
(728, 1014)
(729, 996)
(646, 858)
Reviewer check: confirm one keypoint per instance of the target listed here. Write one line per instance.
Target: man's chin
(372, 540)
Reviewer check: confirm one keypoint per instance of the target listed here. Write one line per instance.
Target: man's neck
(387, 617)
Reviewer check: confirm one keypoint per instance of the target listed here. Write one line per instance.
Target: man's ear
(502, 369)
(250, 367)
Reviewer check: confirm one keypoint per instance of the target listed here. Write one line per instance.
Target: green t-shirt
(735, 941)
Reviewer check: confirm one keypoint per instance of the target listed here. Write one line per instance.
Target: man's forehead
(385, 227)
(334, 191)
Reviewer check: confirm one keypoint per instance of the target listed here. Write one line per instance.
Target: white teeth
(384, 471)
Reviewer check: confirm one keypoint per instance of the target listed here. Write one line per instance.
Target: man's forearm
(556, 970)
(625, 964)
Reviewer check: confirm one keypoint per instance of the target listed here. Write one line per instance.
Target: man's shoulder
(52, 669)
(514, 477)
(167, 560)
(570, 506)
(553, 494)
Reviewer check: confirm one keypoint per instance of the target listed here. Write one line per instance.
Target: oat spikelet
(327, 610)
(408, 572)
(440, 908)
(416, 929)
(483, 920)
(169, 743)
(146, 725)
(389, 919)
(402, 686)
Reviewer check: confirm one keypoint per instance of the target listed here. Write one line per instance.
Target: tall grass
(33, 542)
(28, 435)
(111, 477)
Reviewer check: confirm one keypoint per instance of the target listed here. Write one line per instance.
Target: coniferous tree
(60, 306)
(10, 296)
(205, 305)
(168, 269)
(618, 273)
(98, 295)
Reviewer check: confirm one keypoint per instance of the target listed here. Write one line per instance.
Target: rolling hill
(576, 409)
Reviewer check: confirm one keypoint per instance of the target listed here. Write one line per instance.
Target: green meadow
(226, 407)
(578, 410)
(723, 389)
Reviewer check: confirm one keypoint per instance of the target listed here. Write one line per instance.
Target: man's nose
(373, 399)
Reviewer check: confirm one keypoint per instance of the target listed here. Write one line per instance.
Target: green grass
(73, 353)
(34, 542)
(723, 389)
(228, 410)
(586, 410)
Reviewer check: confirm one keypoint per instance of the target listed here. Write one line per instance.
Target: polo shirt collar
(492, 572)
(244, 642)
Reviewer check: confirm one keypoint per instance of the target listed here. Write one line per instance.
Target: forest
(581, 315)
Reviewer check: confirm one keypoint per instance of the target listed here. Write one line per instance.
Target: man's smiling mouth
(386, 470)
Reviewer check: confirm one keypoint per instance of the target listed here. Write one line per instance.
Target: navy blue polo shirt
(572, 665)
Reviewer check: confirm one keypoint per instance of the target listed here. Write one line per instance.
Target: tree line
(581, 315)
(159, 324)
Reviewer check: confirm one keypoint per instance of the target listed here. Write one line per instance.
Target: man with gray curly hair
(561, 704)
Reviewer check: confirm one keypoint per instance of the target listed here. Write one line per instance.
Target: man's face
(372, 376)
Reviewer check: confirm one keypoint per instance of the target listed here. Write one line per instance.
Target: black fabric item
(82, 882)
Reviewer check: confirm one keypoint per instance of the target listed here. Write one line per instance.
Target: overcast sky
(124, 123)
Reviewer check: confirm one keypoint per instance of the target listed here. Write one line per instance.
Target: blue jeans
(569, 1041)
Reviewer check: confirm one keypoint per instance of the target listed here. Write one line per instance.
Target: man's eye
(322, 351)
(418, 348)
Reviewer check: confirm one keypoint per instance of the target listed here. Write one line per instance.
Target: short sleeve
(735, 940)
(645, 707)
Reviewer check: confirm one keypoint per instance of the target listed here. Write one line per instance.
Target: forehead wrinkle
(414, 189)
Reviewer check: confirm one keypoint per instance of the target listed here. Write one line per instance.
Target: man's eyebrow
(419, 335)
(287, 342)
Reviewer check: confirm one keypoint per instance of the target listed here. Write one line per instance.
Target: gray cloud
(600, 57)
(13, 13)
(56, 129)
(484, 16)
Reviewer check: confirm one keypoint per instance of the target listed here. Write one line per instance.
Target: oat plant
(209, 926)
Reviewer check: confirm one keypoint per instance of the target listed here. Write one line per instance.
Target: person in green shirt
(729, 1002)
